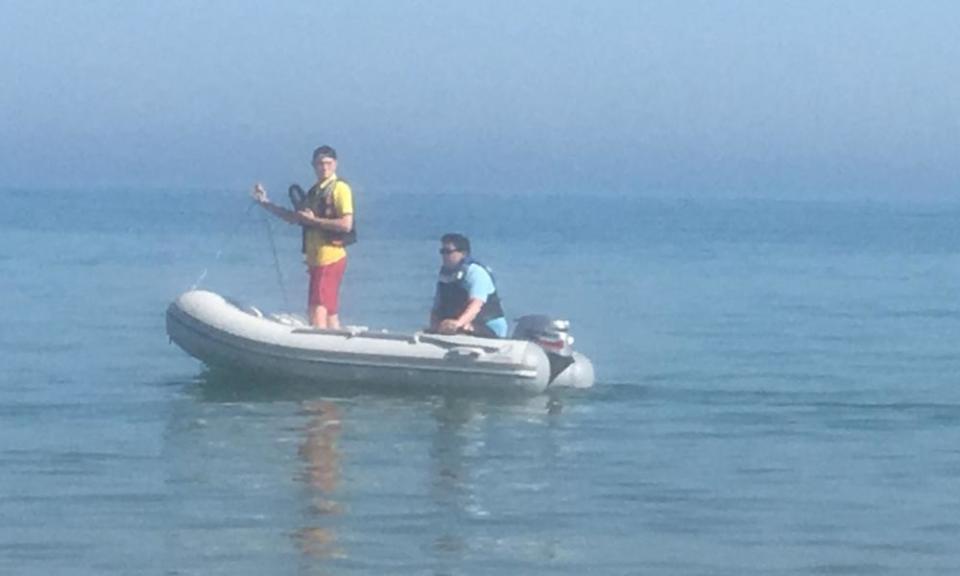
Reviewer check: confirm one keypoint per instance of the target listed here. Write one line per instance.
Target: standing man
(466, 300)
(327, 219)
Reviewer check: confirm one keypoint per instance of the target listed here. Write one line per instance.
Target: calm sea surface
(778, 393)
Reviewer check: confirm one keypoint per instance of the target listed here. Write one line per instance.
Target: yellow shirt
(320, 251)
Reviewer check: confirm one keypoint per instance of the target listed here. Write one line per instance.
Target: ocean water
(778, 392)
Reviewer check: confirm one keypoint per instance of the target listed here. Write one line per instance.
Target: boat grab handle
(442, 341)
(464, 353)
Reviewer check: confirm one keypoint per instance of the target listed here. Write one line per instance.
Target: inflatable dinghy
(223, 334)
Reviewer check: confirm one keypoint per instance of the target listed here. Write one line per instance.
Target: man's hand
(306, 216)
(449, 326)
(260, 194)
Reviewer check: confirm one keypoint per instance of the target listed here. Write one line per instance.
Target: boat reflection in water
(349, 480)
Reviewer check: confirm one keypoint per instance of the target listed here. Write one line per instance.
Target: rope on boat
(216, 258)
(276, 261)
(273, 250)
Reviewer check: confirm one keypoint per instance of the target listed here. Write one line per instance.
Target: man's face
(451, 256)
(325, 167)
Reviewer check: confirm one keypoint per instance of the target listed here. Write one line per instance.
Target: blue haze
(851, 99)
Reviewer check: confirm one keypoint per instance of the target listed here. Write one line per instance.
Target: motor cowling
(550, 334)
(553, 335)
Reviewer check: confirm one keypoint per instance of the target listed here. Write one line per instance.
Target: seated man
(466, 300)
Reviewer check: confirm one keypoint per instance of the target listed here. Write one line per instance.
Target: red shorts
(325, 285)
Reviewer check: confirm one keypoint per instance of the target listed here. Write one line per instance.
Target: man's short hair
(459, 241)
(324, 152)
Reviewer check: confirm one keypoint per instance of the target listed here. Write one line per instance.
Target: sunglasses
(448, 250)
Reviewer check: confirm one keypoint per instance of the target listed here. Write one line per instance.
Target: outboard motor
(554, 337)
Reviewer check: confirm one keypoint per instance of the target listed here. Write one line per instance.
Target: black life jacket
(453, 295)
(320, 201)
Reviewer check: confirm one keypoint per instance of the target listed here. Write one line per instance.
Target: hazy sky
(760, 98)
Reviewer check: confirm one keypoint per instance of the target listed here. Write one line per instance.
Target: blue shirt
(480, 286)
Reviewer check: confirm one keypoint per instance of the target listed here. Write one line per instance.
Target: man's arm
(260, 197)
(281, 212)
(343, 199)
(341, 224)
(465, 318)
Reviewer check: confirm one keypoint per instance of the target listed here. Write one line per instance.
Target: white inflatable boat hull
(220, 334)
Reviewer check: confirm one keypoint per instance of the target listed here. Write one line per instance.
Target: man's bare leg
(318, 317)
